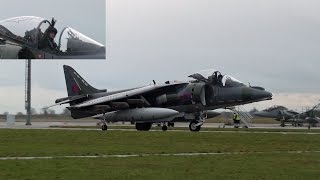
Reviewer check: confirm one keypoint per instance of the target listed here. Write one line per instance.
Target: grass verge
(267, 166)
(64, 142)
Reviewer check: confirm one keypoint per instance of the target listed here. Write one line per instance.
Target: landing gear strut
(282, 123)
(104, 126)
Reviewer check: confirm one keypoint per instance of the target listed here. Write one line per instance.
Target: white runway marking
(146, 155)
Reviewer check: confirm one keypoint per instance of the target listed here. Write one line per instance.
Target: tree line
(41, 112)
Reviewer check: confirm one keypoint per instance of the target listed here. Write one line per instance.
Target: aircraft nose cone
(268, 94)
(256, 94)
(261, 94)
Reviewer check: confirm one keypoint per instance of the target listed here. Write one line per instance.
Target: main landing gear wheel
(193, 127)
(164, 128)
(104, 127)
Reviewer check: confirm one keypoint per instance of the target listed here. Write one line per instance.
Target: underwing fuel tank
(139, 114)
(212, 114)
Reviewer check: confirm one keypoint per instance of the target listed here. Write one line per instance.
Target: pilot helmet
(52, 30)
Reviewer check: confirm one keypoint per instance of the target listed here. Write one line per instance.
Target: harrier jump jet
(20, 38)
(284, 115)
(279, 113)
(191, 101)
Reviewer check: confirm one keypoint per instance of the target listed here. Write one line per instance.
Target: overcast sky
(269, 43)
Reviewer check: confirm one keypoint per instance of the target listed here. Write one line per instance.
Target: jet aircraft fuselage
(168, 102)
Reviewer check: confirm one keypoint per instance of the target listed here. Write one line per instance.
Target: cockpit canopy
(216, 78)
(29, 30)
(73, 41)
(23, 29)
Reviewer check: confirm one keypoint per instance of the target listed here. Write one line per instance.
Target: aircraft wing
(123, 95)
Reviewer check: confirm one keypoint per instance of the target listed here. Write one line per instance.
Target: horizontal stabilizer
(71, 98)
(67, 100)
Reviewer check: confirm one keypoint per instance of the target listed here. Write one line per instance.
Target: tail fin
(76, 85)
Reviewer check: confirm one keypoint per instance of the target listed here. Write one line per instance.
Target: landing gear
(104, 126)
(282, 123)
(143, 126)
(194, 126)
(164, 127)
(170, 124)
(294, 124)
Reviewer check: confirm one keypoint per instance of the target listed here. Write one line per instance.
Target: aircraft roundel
(75, 88)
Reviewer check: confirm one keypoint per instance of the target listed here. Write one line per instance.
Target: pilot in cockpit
(216, 78)
(220, 80)
(47, 41)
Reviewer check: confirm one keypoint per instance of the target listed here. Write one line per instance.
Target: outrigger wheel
(104, 126)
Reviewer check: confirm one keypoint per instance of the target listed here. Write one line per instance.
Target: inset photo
(43, 29)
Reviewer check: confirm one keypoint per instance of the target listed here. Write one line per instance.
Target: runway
(48, 124)
(64, 126)
(157, 154)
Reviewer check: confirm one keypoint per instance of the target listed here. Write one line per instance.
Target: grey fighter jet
(311, 117)
(284, 115)
(279, 113)
(191, 101)
(21, 37)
